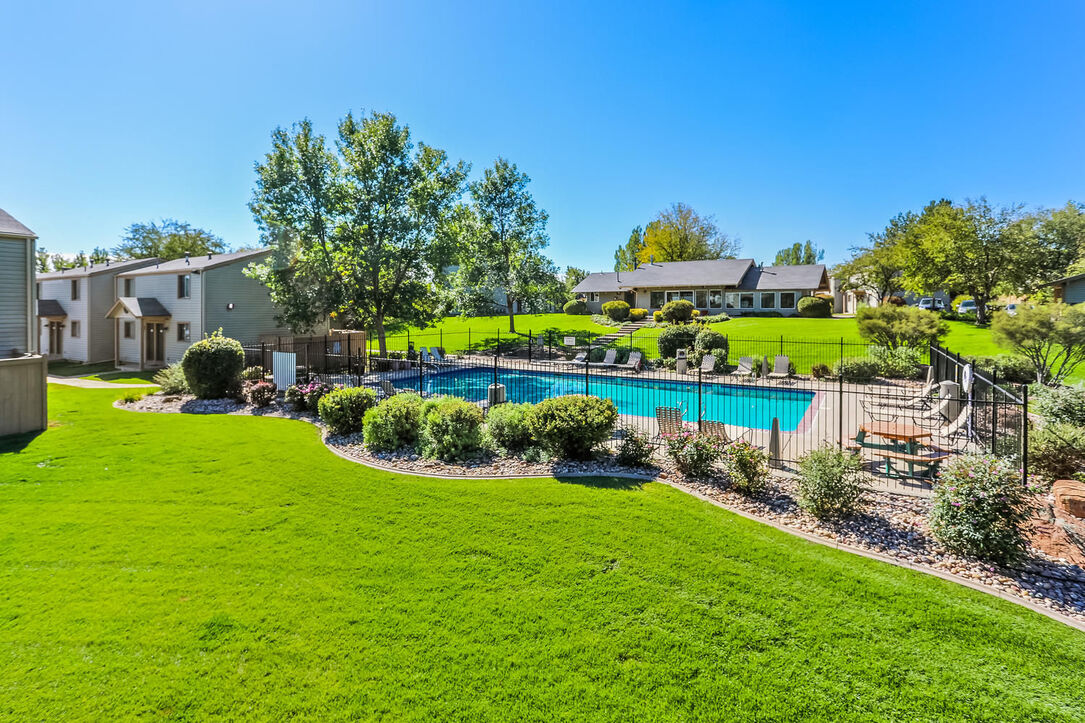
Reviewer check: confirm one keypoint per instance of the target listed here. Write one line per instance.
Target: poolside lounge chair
(669, 420)
(609, 358)
(580, 358)
(715, 429)
(921, 399)
(708, 365)
(387, 388)
(633, 363)
(781, 368)
(953, 430)
(745, 368)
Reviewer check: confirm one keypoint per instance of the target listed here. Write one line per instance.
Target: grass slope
(195, 568)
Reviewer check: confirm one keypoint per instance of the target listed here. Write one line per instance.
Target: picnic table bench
(903, 442)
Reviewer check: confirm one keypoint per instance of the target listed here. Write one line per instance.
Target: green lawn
(193, 568)
(125, 377)
(76, 369)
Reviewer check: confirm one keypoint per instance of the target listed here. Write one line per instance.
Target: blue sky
(785, 121)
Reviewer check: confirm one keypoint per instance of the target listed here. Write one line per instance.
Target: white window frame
(731, 300)
(741, 296)
(700, 293)
(129, 287)
(593, 296)
(75, 290)
(719, 303)
(184, 331)
(184, 282)
(128, 329)
(794, 299)
(651, 302)
(74, 329)
(767, 295)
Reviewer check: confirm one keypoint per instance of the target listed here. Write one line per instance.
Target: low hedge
(857, 370)
(393, 423)
(815, 307)
(677, 311)
(572, 426)
(507, 425)
(576, 307)
(343, 410)
(638, 314)
(616, 310)
(451, 429)
(213, 366)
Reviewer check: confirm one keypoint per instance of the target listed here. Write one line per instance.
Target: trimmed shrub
(393, 423)
(820, 371)
(815, 307)
(508, 427)
(1007, 367)
(707, 339)
(312, 393)
(213, 366)
(694, 455)
(900, 363)
(657, 316)
(695, 358)
(747, 466)
(858, 370)
(572, 426)
(895, 326)
(637, 314)
(1057, 451)
(678, 311)
(616, 310)
(980, 507)
(253, 374)
(294, 397)
(172, 379)
(451, 429)
(635, 449)
(695, 313)
(260, 394)
(131, 396)
(675, 337)
(1060, 404)
(343, 410)
(830, 483)
(715, 318)
(576, 307)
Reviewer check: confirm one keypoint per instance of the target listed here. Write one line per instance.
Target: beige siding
(14, 308)
(253, 313)
(22, 394)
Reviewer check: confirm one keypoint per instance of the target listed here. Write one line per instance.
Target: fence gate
(284, 368)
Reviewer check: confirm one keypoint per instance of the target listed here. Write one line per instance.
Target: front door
(154, 345)
(56, 338)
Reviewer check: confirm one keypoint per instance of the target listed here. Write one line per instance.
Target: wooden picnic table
(896, 431)
(904, 442)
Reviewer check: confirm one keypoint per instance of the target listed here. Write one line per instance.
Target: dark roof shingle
(10, 226)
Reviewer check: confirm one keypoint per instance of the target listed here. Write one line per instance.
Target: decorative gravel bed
(892, 525)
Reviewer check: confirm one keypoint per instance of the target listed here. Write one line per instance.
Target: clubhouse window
(745, 301)
(715, 299)
(702, 299)
(657, 299)
(787, 299)
(768, 300)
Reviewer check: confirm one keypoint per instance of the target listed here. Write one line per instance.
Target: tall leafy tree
(60, 262)
(681, 234)
(359, 231)
(982, 249)
(573, 276)
(627, 255)
(877, 267)
(169, 239)
(99, 255)
(1062, 242)
(502, 239)
(799, 254)
(41, 260)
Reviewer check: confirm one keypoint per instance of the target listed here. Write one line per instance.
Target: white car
(929, 303)
(968, 306)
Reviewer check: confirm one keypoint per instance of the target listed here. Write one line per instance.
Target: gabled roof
(1066, 280)
(201, 263)
(773, 278)
(604, 281)
(50, 307)
(139, 308)
(10, 226)
(95, 269)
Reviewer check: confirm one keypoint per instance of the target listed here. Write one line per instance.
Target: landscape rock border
(889, 530)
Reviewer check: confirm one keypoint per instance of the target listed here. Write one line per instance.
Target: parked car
(1011, 309)
(932, 304)
(968, 306)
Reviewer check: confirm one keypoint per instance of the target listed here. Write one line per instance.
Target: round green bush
(343, 410)
(260, 394)
(1061, 404)
(635, 449)
(830, 482)
(1057, 451)
(253, 374)
(637, 314)
(213, 366)
(856, 370)
(675, 337)
(747, 466)
(678, 311)
(172, 379)
(616, 310)
(815, 307)
(576, 307)
(451, 429)
(393, 423)
(707, 339)
(508, 427)
(572, 426)
(657, 316)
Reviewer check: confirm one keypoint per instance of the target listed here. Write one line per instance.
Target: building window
(37, 290)
(129, 329)
(184, 332)
(732, 301)
(657, 299)
(787, 299)
(745, 301)
(702, 299)
(75, 289)
(184, 286)
(593, 296)
(715, 299)
(686, 296)
(75, 329)
(129, 287)
(768, 300)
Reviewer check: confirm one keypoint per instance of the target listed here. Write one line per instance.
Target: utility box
(680, 361)
(495, 394)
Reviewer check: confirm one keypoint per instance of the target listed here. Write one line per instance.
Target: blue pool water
(746, 406)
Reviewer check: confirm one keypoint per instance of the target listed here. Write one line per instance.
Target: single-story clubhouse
(1070, 290)
(734, 286)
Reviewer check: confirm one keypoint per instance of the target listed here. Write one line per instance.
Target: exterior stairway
(626, 329)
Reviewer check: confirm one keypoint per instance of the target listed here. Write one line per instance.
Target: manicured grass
(125, 377)
(77, 369)
(195, 567)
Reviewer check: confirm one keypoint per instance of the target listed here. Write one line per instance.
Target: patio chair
(708, 365)
(633, 364)
(580, 358)
(715, 429)
(436, 357)
(669, 420)
(609, 358)
(387, 389)
(439, 354)
(955, 430)
(745, 368)
(919, 400)
(781, 368)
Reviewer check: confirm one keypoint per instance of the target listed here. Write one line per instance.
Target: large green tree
(501, 247)
(982, 249)
(681, 234)
(1052, 337)
(1062, 242)
(799, 254)
(169, 239)
(626, 258)
(573, 276)
(877, 267)
(359, 230)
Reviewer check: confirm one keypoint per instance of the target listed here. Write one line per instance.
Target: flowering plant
(694, 455)
(747, 467)
(981, 504)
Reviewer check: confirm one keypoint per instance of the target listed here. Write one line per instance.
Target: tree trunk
(378, 323)
(512, 316)
(981, 308)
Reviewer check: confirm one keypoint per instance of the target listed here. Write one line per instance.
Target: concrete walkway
(85, 383)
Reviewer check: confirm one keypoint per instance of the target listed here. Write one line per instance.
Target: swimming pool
(742, 405)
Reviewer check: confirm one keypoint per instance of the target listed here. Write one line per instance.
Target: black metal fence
(781, 394)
